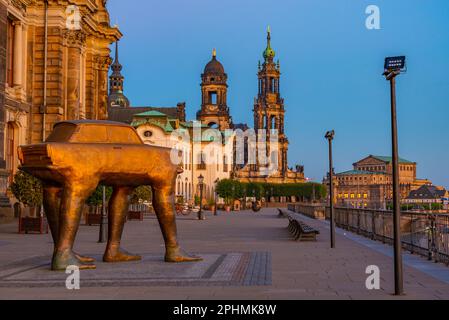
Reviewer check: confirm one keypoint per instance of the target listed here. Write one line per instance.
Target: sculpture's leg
(52, 205)
(118, 209)
(164, 205)
(73, 198)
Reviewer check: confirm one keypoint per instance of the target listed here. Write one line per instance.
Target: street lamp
(216, 196)
(103, 220)
(201, 185)
(330, 137)
(393, 67)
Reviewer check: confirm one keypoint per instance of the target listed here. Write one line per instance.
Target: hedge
(231, 189)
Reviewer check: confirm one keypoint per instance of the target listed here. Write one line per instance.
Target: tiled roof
(151, 113)
(359, 172)
(427, 192)
(126, 115)
(390, 159)
(168, 128)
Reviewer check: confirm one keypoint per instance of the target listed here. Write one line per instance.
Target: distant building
(428, 194)
(155, 125)
(269, 114)
(167, 127)
(370, 183)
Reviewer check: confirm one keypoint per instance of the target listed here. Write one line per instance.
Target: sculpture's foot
(120, 255)
(177, 255)
(84, 259)
(62, 260)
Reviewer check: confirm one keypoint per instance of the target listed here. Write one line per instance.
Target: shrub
(27, 189)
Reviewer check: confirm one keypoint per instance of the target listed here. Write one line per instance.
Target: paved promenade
(246, 256)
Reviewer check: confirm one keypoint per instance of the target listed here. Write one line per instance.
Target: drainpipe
(44, 105)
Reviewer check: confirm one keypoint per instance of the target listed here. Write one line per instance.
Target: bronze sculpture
(79, 155)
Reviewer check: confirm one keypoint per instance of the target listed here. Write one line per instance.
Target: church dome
(214, 66)
(269, 53)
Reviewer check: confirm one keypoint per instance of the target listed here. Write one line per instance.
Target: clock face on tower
(212, 108)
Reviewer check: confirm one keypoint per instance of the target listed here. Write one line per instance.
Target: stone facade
(214, 90)
(269, 115)
(55, 58)
(370, 184)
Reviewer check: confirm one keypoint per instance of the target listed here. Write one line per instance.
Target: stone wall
(314, 211)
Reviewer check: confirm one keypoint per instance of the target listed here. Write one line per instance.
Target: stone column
(24, 57)
(102, 64)
(18, 57)
(74, 40)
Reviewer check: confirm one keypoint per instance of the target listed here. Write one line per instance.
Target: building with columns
(370, 183)
(55, 59)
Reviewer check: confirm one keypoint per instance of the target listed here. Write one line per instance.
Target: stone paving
(246, 256)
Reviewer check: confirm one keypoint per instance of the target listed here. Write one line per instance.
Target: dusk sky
(331, 70)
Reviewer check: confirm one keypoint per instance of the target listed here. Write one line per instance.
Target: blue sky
(331, 65)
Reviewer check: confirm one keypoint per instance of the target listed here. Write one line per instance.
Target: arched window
(273, 123)
(225, 164)
(201, 161)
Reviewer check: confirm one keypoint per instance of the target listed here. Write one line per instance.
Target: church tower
(214, 109)
(269, 112)
(116, 82)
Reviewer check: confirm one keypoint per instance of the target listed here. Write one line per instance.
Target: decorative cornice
(102, 62)
(74, 38)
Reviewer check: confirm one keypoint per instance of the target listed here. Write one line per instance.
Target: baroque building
(213, 153)
(167, 127)
(116, 96)
(54, 62)
(269, 116)
(214, 89)
(370, 183)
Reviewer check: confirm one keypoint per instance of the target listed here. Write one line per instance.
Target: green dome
(269, 52)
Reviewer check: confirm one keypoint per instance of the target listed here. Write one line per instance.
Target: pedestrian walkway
(246, 256)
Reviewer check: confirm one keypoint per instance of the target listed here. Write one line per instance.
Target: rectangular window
(201, 162)
(10, 53)
(225, 164)
(212, 97)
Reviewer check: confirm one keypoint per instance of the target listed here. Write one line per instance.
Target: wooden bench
(300, 230)
(282, 214)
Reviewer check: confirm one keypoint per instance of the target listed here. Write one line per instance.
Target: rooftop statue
(75, 159)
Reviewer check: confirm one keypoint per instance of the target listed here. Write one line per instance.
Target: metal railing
(426, 234)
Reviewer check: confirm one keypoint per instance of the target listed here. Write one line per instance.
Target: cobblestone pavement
(246, 256)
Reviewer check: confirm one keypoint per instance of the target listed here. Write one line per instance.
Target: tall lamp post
(330, 137)
(201, 185)
(216, 197)
(393, 67)
(103, 220)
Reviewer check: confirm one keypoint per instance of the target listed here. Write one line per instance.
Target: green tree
(142, 193)
(96, 198)
(27, 189)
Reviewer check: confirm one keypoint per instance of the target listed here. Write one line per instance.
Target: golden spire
(214, 53)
